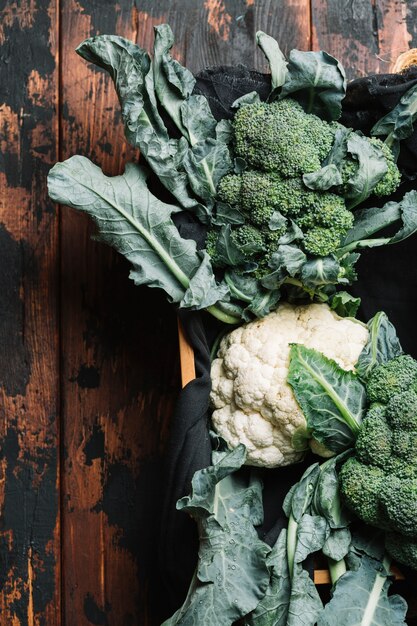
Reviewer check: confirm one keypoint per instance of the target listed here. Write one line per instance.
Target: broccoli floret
(390, 182)
(402, 549)
(376, 410)
(402, 410)
(404, 445)
(373, 444)
(258, 194)
(396, 467)
(391, 179)
(399, 503)
(248, 239)
(229, 189)
(281, 137)
(391, 378)
(211, 247)
(321, 241)
(361, 486)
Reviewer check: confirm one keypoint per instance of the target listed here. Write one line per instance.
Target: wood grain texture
(119, 367)
(80, 488)
(29, 389)
(366, 37)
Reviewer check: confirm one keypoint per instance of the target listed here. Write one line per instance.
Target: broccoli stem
(380, 580)
(222, 316)
(336, 569)
(291, 544)
(363, 243)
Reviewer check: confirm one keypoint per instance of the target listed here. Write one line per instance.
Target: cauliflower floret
(253, 403)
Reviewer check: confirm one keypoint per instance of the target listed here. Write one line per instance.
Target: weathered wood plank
(366, 37)
(29, 366)
(119, 367)
(348, 31)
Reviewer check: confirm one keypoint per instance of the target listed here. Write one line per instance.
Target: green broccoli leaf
(318, 272)
(198, 119)
(173, 82)
(333, 400)
(305, 602)
(232, 575)
(206, 163)
(242, 286)
(225, 214)
(338, 152)
(139, 226)
(273, 608)
(326, 501)
(325, 178)
(398, 124)
(248, 98)
(336, 546)
(372, 167)
(361, 598)
(317, 80)
(275, 57)
(382, 345)
(312, 533)
(227, 251)
(131, 70)
(203, 291)
(370, 221)
(344, 304)
(263, 303)
(289, 258)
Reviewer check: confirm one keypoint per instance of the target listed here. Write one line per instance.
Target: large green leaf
(382, 345)
(323, 179)
(361, 599)
(371, 168)
(320, 271)
(398, 124)
(370, 221)
(139, 226)
(333, 400)
(273, 608)
(206, 163)
(134, 79)
(232, 575)
(344, 304)
(173, 82)
(275, 57)
(318, 81)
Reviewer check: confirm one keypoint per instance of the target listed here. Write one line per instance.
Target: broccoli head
(325, 221)
(321, 241)
(281, 137)
(248, 239)
(404, 445)
(391, 378)
(401, 548)
(259, 194)
(380, 482)
(361, 486)
(373, 444)
(402, 410)
(398, 499)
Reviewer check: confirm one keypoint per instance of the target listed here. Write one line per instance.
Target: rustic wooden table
(88, 363)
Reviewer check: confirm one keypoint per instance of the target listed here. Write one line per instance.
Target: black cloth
(387, 281)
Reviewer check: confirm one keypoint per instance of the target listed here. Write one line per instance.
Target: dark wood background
(88, 363)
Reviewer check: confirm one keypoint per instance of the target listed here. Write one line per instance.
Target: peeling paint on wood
(97, 347)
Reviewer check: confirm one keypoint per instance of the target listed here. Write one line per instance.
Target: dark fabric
(388, 281)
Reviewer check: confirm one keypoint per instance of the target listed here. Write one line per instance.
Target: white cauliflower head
(253, 403)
